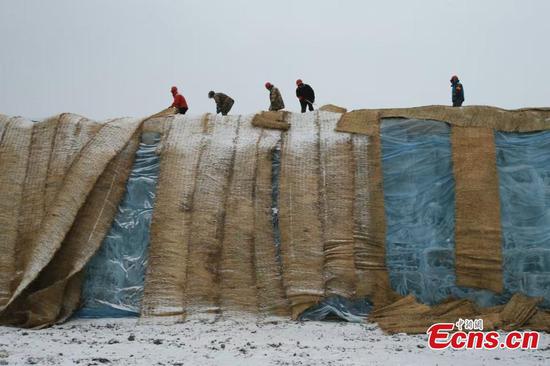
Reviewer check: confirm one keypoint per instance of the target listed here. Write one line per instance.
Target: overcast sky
(112, 58)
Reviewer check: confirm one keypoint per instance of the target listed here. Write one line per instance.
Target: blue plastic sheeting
(523, 162)
(419, 200)
(113, 285)
(419, 203)
(338, 307)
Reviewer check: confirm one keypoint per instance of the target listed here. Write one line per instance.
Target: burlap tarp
(211, 237)
(272, 119)
(370, 222)
(300, 223)
(64, 177)
(212, 248)
(336, 188)
(477, 209)
(168, 251)
(364, 121)
(333, 108)
(14, 150)
(212, 244)
(408, 316)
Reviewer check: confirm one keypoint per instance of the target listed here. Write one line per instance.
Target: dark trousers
(182, 110)
(458, 103)
(304, 104)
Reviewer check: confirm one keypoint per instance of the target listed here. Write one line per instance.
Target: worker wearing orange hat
(305, 95)
(275, 98)
(179, 101)
(457, 92)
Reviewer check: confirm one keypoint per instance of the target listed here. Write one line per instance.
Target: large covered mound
(279, 214)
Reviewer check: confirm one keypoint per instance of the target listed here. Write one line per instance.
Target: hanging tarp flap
(113, 282)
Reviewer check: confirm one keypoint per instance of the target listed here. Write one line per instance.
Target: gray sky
(107, 58)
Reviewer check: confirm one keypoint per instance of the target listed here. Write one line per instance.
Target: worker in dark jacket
(305, 95)
(275, 98)
(179, 101)
(223, 102)
(458, 92)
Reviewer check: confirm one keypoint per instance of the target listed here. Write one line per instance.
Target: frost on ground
(238, 341)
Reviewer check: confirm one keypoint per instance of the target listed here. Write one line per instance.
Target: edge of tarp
(366, 121)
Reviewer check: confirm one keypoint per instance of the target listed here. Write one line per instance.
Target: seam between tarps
(205, 140)
(322, 205)
(353, 166)
(254, 203)
(221, 224)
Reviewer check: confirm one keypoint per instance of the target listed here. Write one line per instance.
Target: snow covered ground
(237, 341)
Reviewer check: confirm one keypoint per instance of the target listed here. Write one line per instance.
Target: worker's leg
(303, 104)
(182, 110)
(310, 106)
(227, 107)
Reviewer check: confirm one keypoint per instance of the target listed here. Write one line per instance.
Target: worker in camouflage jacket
(223, 102)
(275, 98)
(457, 92)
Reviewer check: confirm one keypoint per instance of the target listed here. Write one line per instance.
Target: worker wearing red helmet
(457, 92)
(179, 101)
(275, 98)
(305, 95)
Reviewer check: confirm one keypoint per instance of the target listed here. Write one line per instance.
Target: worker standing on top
(305, 94)
(223, 102)
(179, 101)
(458, 92)
(275, 98)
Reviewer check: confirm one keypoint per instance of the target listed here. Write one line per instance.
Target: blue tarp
(114, 279)
(419, 201)
(419, 204)
(523, 162)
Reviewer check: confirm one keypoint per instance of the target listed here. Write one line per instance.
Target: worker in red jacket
(179, 101)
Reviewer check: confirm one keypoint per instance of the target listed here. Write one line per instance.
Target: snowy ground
(237, 341)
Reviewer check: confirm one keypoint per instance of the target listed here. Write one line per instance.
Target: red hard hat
(299, 81)
(453, 78)
(268, 85)
(174, 89)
